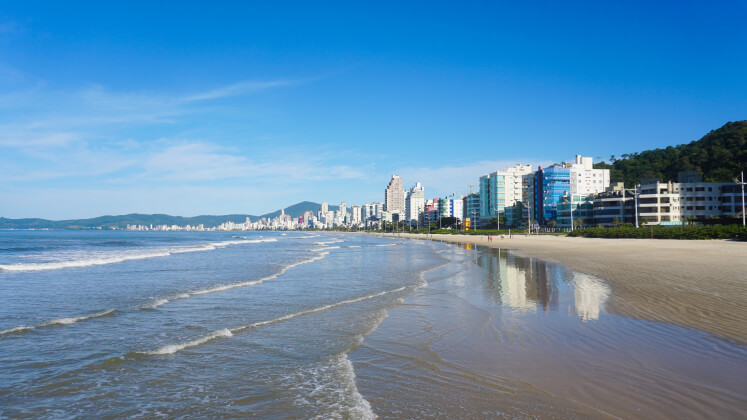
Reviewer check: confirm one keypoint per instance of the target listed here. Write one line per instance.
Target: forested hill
(720, 156)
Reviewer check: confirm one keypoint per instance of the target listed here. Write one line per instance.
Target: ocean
(114, 324)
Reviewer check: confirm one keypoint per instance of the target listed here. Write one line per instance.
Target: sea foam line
(173, 348)
(126, 257)
(58, 321)
(221, 288)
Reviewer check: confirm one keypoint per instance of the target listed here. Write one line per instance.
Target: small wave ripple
(58, 321)
(162, 301)
(173, 348)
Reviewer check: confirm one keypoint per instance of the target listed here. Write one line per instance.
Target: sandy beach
(695, 284)
(556, 327)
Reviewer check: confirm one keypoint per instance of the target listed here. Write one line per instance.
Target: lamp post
(636, 205)
(742, 184)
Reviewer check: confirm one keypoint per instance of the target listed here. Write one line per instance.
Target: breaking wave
(113, 259)
(58, 321)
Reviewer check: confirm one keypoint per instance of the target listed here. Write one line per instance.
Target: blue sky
(209, 108)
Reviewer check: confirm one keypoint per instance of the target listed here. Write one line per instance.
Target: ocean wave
(113, 259)
(220, 288)
(329, 242)
(58, 321)
(173, 348)
(327, 389)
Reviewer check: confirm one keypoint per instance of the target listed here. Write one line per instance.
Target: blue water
(102, 324)
(210, 324)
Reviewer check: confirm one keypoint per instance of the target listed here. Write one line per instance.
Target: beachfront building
(577, 181)
(414, 203)
(394, 196)
(615, 205)
(451, 206)
(372, 211)
(471, 209)
(550, 184)
(355, 216)
(585, 180)
(501, 189)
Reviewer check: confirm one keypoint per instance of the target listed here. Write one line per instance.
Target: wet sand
(694, 284)
(509, 334)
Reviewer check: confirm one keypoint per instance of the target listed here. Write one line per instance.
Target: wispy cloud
(237, 89)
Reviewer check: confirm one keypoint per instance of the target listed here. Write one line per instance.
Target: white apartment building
(394, 196)
(501, 189)
(414, 202)
(372, 211)
(585, 180)
(356, 215)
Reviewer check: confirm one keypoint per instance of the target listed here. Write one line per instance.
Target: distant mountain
(121, 222)
(108, 222)
(720, 156)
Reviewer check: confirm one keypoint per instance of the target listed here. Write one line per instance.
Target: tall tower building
(414, 202)
(394, 196)
(343, 209)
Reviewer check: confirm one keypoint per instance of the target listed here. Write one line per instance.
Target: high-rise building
(355, 215)
(550, 185)
(414, 202)
(577, 181)
(394, 196)
(586, 180)
(451, 206)
(471, 208)
(343, 209)
(325, 208)
(502, 189)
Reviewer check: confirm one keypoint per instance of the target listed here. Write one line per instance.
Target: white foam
(315, 310)
(16, 330)
(329, 242)
(157, 303)
(173, 348)
(58, 321)
(113, 259)
(327, 389)
(73, 320)
(224, 287)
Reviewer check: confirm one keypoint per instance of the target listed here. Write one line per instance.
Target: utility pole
(742, 184)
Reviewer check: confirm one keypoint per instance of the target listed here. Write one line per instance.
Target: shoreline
(694, 284)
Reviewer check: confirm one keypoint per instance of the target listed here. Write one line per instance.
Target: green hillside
(720, 156)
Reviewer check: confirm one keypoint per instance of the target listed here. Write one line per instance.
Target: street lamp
(636, 205)
(742, 184)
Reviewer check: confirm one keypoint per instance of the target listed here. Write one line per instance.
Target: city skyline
(154, 109)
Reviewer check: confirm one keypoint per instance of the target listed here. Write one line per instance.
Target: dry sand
(696, 284)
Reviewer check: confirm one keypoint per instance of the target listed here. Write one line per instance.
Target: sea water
(209, 324)
(115, 324)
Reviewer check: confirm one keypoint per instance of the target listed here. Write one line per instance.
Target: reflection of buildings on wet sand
(520, 282)
(590, 294)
